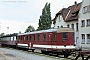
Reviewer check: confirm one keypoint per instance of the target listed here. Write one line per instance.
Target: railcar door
(50, 41)
(53, 41)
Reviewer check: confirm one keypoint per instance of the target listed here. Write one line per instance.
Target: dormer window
(73, 15)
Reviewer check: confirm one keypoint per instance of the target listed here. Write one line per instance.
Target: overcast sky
(19, 14)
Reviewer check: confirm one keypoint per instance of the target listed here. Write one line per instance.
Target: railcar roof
(41, 31)
(58, 30)
(9, 35)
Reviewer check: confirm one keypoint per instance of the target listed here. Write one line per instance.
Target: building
(84, 25)
(68, 17)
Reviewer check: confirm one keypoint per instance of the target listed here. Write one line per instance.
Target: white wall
(84, 30)
(60, 22)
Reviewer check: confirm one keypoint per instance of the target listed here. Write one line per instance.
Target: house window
(83, 23)
(73, 26)
(26, 37)
(76, 26)
(68, 25)
(88, 38)
(38, 37)
(44, 36)
(88, 22)
(59, 18)
(57, 26)
(61, 26)
(89, 8)
(83, 38)
(85, 9)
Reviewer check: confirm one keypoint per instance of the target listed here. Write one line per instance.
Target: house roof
(69, 14)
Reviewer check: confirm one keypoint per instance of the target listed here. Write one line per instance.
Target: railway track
(38, 52)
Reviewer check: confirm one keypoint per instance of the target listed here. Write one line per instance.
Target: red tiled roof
(69, 14)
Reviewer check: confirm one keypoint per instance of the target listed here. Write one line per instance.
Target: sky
(17, 15)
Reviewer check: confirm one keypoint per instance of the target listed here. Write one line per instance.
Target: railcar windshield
(64, 36)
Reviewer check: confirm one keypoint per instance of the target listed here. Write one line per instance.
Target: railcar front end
(9, 40)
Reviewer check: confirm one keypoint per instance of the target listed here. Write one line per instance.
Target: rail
(82, 54)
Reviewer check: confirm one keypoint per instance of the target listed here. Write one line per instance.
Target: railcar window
(33, 37)
(30, 37)
(64, 36)
(13, 38)
(26, 37)
(20, 37)
(38, 37)
(54, 37)
(16, 37)
(44, 36)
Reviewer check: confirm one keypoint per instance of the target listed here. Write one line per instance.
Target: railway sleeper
(55, 53)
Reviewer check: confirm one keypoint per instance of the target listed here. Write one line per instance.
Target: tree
(2, 34)
(45, 19)
(30, 29)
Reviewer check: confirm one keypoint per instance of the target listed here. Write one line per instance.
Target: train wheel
(42, 51)
(33, 50)
(65, 55)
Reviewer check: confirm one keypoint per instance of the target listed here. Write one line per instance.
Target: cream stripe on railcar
(54, 46)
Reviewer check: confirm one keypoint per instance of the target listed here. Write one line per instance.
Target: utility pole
(0, 27)
(7, 30)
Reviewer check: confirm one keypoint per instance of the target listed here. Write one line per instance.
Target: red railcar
(59, 41)
(9, 40)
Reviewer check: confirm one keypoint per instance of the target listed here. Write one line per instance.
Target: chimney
(75, 3)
